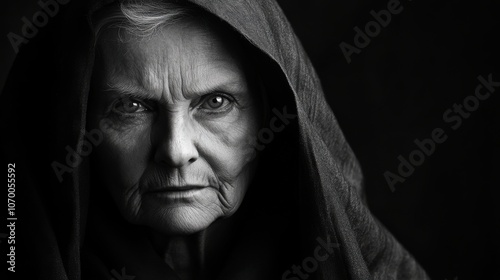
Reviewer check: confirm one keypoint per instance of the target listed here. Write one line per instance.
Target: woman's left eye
(216, 102)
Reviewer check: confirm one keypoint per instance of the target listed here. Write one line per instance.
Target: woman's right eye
(127, 106)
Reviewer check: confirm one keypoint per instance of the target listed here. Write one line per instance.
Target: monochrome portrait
(250, 139)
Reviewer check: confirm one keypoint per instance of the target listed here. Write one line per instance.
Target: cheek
(124, 154)
(229, 147)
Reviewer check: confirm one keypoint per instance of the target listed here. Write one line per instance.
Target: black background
(395, 91)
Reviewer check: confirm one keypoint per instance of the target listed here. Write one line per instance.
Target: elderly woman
(188, 140)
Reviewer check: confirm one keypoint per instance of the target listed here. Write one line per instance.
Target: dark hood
(47, 92)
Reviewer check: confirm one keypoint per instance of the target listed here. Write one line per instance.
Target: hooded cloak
(312, 182)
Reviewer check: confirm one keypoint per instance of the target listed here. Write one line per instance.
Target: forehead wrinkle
(153, 72)
(218, 77)
(127, 70)
(174, 74)
(204, 61)
(220, 70)
(182, 73)
(149, 66)
(121, 81)
(165, 66)
(125, 86)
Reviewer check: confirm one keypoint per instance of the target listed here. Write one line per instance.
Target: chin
(181, 220)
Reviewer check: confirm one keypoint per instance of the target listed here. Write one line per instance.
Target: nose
(175, 143)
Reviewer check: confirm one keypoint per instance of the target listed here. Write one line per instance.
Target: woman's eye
(129, 106)
(216, 102)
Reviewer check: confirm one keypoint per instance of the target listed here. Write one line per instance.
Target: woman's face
(177, 113)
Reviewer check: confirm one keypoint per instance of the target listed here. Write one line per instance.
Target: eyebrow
(130, 90)
(233, 86)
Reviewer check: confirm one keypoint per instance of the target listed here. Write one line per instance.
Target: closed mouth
(177, 189)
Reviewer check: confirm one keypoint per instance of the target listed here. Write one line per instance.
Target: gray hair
(143, 18)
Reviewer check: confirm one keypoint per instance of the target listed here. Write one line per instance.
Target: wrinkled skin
(177, 112)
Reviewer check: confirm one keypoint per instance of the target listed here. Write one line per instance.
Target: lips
(178, 194)
(185, 188)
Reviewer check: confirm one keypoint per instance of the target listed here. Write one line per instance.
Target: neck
(196, 256)
(184, 254)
